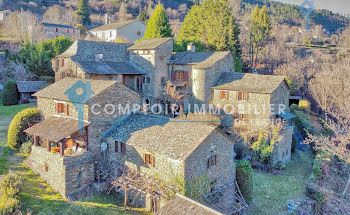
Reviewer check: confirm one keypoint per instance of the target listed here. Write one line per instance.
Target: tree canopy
(158, 25)
(84, 11)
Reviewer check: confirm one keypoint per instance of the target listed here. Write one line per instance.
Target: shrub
(10, 186)
(244, 175)
(304, 104)
(9, 94)
(303, 121)
(294, 143)
(20, 122)
(26, 147)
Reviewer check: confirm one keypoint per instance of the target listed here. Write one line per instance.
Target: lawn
(37, 196)
(271, 191)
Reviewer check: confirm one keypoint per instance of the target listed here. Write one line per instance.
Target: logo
(79, 94)
(307, 8)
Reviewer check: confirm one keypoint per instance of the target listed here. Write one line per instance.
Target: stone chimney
(108, 18)
(191, 47)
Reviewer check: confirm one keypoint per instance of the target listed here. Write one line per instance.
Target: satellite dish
(103, 146)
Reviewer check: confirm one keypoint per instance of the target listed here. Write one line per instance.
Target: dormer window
(99, 58)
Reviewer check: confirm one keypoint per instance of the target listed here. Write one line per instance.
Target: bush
(244, 176)
(26, 147)
(304, 104)
(9, 94)
(294, 143)
(10, 186)
(20, 122)
(303, 121)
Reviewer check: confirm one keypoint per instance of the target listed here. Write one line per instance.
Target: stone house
(126, 31)
(4, 14)
(195, 73)
(251, 99)
(62, 153)
(51, 31)
(26, 89)
(181, 153)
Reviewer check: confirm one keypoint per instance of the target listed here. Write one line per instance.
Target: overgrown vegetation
(10, 187)
(23, 120)
(303, 121)
(244, 177)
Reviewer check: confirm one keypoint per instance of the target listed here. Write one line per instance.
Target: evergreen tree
(259, 32)
(143, 15)
(84, 11)
(9, 94)
(214, 26)
(158, 25)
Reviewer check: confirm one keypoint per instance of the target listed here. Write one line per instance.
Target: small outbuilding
(26, 89)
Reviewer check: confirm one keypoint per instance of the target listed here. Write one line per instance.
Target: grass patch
(271, 192)
(12, 110)
(3, 158)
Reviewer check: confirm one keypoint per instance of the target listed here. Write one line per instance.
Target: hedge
(10, 186)
(9, 94)
(244, 177)
(20, 122)
(303, 121)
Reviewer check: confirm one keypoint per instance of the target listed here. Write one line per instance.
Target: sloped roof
(201, 60)
(175, 139)
(150, 43)
(57, 25)
(248, 82)
(55, 128)
(58, 89)
(30, 86)
(113, 26)
(109, 68)
(181, 205)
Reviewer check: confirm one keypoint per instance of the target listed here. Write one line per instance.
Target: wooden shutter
(173, 75)
(186, 76)
(116, 146)
(144, 158)
(152, 159)
(123, 146)
(227, 95)
(246, 96)
(65, 107)
(56, 107)
(237, 95)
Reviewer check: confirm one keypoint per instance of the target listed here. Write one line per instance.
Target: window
(56, 29)
(67, 31)
(62, 64)
(149, 159)
(61, 108)
(242, 117)
(120, 147)
(98, 57)
(242, 96)
(223, 94)
(111, 34)
(73, 31)
(148, 80)
(179, 75)
(103, 35)
(212, 161)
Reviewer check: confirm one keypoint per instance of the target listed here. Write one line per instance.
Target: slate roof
(57, 25)
(55, 128)
(201, 60)
(113, 26)
(247, 82)
(30, 86)
(57, 90)
(174, 139)
(150, 43)
(181, 205)
(109, 68)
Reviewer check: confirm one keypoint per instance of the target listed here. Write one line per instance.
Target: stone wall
(280, 96)
(130, 31)
(67, 175)
(282, 150)
(50, 32)
(196, 165)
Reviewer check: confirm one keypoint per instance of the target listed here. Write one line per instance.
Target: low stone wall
(69, 175)
(282, 149)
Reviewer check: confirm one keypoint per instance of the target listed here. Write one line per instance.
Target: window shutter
(216, 159)
(56, 107)
(152, 161)
(144, 158)
(246, 96)
(227, 95)
(173, 75)
(66, 109)
(237, 95)
(186, 76)
(209, 162)
(123, 145)
(116, 146)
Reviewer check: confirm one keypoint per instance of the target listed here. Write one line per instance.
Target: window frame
(212, 161)
(60, 107)
(223, 94)
(180, 75)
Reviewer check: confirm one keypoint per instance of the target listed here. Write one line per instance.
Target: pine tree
(259, 32)
(158, 25)
(143, 15)
(214, 26)
(84, 11)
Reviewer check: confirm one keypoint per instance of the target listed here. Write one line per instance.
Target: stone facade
(69, 175)
(283, 148)
(51, 31)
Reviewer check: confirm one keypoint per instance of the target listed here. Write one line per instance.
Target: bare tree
(22, 27)
(61, 15)
(123, 14)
